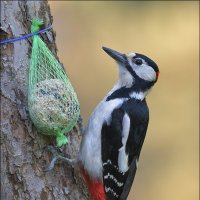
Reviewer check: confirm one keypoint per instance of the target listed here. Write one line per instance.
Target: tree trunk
(23, 154)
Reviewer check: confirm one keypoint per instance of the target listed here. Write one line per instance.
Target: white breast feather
(90, 150)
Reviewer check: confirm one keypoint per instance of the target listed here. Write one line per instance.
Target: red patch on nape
(157, 75)
(95, 188)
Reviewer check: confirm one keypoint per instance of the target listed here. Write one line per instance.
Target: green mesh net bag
(53, 104)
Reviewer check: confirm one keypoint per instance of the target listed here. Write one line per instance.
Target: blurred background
(167, 32)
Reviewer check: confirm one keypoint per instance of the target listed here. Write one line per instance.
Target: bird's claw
(55, 157)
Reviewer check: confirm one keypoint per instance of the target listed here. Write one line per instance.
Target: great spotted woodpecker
(114, 135)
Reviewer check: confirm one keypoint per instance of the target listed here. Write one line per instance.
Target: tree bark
(23, 154)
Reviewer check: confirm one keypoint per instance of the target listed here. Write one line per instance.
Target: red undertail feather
(95, 188)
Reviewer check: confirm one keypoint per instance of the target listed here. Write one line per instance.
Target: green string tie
(61, 139)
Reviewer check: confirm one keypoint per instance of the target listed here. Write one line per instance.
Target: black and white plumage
(115, 133)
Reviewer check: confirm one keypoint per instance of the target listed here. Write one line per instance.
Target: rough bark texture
(23, 154)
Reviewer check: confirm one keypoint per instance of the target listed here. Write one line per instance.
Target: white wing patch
(110, 163)
(108, 189)
(123, 157)
(110, 176)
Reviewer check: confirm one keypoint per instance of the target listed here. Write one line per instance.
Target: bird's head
(136, 71)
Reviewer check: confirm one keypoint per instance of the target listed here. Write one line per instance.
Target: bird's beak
(119, 57)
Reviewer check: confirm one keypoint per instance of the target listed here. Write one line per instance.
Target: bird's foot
(55, 157)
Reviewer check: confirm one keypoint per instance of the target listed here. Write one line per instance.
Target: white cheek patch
(145, 72)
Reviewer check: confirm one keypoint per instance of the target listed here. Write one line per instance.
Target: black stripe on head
(128, 67)
(139, 84)
(148, 61)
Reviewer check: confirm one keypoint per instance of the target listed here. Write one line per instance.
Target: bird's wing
(122, 140)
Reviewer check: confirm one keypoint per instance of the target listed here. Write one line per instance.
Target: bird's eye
(138, 61)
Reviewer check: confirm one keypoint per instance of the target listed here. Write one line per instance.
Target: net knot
(61, 139)
(36, 23)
